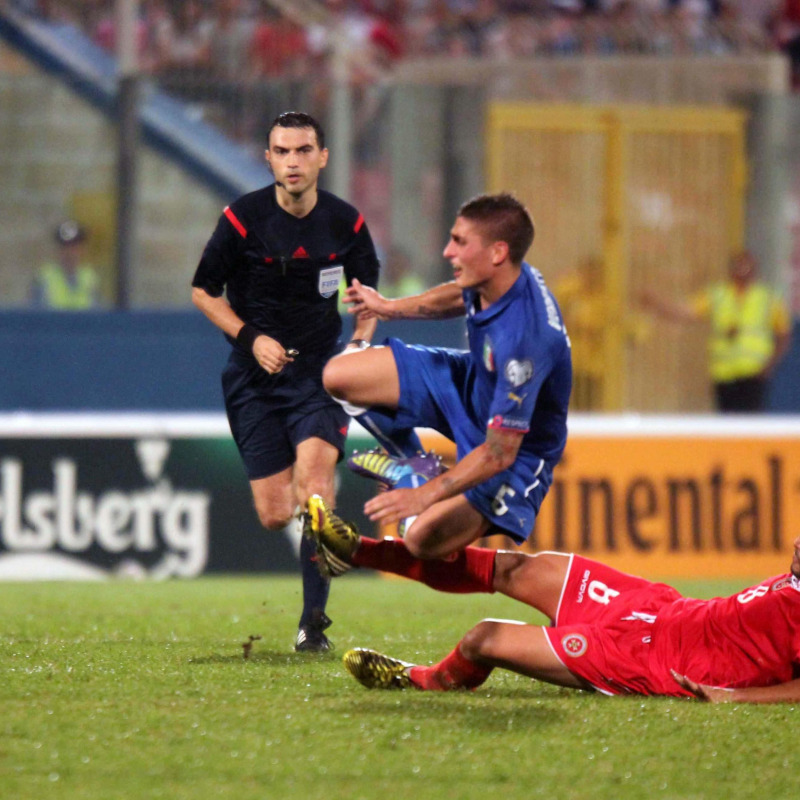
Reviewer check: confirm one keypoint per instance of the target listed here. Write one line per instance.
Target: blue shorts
(270, 415)
(434, 393)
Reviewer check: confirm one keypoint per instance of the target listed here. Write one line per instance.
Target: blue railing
(167, 124)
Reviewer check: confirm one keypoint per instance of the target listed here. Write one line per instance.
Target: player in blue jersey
(504, 402)
(269, 278)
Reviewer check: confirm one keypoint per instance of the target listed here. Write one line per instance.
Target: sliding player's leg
(491, 644)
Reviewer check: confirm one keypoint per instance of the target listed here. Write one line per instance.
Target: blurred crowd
(245, 39)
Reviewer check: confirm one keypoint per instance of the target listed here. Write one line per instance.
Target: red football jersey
(624, 634)
(749, 639)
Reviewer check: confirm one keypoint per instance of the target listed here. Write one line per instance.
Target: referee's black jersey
(282, 273)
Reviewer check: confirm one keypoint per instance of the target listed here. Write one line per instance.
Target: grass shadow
(266, 657)
(485, 714)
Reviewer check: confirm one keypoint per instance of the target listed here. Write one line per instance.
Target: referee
(269, 279)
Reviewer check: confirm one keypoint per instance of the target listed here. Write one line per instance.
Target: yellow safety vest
(742, 339)
(58, 292)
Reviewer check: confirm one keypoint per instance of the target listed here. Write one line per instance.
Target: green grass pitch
(141, 690)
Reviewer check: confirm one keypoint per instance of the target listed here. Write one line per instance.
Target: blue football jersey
(522, 367)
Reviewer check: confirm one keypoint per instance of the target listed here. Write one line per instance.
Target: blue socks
(402, 442)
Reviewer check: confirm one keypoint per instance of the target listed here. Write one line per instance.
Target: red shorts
(603, 627)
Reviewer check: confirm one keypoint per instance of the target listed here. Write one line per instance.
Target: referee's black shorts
(270, 415)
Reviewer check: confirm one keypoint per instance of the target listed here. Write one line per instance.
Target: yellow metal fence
(625, 199)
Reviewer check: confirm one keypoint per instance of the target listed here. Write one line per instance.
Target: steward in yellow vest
(68, 284)
(750, 333)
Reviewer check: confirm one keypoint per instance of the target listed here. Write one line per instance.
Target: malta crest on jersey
(329, 279)
(574, 644)
(518, 372)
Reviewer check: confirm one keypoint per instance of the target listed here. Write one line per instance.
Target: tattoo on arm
(450, 486)
(503, 445)
(427, 312)
(496, 446)
(499, 449)
(440, 302)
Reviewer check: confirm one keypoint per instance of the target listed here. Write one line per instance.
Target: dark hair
(502, 218)
(298, 119)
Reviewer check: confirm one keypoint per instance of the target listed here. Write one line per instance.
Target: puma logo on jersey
(516, 398)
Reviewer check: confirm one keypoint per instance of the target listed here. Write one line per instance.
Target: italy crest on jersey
(488, 355)
(329, 279)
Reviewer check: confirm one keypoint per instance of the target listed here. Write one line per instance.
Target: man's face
(295, 158)
(470, 255)
(795, 568)
(742, 268)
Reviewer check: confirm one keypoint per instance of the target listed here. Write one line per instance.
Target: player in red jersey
(611, 632)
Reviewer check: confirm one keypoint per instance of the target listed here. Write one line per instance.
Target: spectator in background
(104, 32)
(280, 60)
(787, 34)
(182, 48)
(279, 47)
(230, 67)
(429, 29)
(69, 283)
(628, 28)
(750, 332)
(386, 30)
(480, 27)
(560, 33)
(230, 46)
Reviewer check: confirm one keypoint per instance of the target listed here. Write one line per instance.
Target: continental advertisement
(700, 497)
(688, 507)
(676, 498)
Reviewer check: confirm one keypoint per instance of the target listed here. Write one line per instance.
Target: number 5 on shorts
(499, 506)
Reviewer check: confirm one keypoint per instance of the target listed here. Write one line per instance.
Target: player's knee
(421, 547)
(509, 568)
(517, 570)
(334, 378)
(316, 484)
(426, 540)
(476, 644)
(272, 520)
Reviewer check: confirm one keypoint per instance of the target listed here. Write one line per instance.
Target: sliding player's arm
(788, 692)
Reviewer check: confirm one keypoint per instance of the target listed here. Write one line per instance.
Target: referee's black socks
(315, 587)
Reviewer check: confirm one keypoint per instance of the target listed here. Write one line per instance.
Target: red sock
(453, 672)
(471, 569)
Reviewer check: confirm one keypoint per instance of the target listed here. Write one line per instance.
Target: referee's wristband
(361, 344)
(246, 337)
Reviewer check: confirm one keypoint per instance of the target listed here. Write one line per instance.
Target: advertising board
(92, 496)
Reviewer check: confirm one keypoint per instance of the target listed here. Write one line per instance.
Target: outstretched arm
(668, 308)
(440, 302)
(788, 692)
